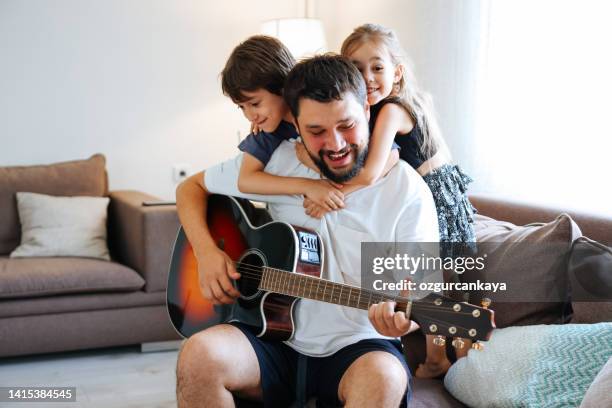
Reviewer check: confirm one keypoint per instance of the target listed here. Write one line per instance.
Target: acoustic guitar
(280, 264)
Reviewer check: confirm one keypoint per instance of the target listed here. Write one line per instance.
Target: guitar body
(273, 244)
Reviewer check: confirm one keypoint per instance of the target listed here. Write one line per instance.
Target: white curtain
(544, 111)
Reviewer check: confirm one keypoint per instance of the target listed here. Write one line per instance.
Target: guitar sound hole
(250, 269)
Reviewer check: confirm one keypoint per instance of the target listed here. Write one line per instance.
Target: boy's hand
(325, 194)
(216, 271)
(314, 210)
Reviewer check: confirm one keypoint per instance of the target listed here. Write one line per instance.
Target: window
(544, 127)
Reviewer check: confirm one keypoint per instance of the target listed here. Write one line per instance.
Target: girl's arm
(391, 120)
(316, 211)
(254, 180)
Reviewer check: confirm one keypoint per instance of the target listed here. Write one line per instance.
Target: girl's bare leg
(436, 362)
(461, 352)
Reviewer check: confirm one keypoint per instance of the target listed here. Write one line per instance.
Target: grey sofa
(60, 304)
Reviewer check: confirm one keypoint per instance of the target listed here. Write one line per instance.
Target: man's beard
(360, 158)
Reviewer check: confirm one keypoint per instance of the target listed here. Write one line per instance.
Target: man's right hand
(216, 271)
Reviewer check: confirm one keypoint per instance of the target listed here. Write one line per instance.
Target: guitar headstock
(440, 315)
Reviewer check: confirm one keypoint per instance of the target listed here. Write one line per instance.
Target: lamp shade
(303, 36)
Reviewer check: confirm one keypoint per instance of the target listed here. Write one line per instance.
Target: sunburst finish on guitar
(280, 263)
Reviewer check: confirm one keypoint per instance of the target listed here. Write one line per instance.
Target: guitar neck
(308, 287)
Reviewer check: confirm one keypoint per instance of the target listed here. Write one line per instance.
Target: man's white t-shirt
(399, 207)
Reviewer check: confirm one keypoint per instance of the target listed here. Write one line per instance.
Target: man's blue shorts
(278, 364)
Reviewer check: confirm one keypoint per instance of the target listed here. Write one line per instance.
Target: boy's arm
(252, 179)
(391, 119)
(215, 268)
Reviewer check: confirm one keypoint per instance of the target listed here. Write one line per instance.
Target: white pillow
(62, 226)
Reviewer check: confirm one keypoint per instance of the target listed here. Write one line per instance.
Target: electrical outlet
(180, 172)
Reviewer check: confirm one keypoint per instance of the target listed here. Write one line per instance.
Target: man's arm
(215, 269)
(418, 222)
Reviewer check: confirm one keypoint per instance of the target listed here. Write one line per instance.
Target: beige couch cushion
(74, 178)
(32, 277)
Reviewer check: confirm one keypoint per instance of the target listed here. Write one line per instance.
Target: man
(349, 356)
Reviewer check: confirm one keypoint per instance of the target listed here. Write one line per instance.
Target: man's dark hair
(323, 78)
(259, 62)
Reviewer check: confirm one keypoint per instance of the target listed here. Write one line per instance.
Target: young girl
(400, 111)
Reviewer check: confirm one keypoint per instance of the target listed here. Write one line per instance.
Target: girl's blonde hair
(417, 103)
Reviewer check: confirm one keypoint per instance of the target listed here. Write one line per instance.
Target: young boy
(253, 78)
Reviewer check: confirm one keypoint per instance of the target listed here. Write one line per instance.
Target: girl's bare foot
(432, 370)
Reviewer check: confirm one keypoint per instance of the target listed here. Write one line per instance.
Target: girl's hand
(314, 210)
(304, 157)
(325, 194)
(254, 128)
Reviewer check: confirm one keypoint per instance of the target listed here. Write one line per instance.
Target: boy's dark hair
(323, 78)
(259, 62)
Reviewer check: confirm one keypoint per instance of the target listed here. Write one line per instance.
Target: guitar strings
(418, 305)
(254, 273)
(421, 304)
(363, 304)
(398, 299)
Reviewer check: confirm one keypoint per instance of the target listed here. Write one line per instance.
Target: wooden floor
(117, 377)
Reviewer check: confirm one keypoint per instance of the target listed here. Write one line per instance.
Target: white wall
(442, 38)
(138, 80)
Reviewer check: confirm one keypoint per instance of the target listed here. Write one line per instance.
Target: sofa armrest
(593, 225)
(142, 237)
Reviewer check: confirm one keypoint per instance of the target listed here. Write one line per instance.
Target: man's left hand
(388, 322)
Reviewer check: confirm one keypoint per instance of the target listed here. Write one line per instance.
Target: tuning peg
(485, 303)
(477, 346)
(458, 343)
(439, 341)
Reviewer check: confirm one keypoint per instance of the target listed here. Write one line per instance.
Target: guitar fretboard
(309, 287)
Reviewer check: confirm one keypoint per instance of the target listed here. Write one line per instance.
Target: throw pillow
(73, 178)
(62, 226)
(532, 261)
(590, 276)
(542, 366)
